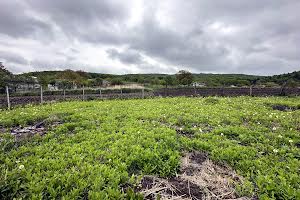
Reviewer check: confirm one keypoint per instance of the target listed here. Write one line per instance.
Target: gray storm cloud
(254, 37)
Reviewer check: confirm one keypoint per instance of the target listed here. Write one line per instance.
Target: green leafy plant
(100, 146)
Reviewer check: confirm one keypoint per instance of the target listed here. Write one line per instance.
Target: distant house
(52, 87)
(105, 83)
(198, 84)
(75, 87)
(28, 86)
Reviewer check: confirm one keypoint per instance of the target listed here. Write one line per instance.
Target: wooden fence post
(250, 92)
(222, 91)
(83, 93)
(282, 90)
(7, 95)
(100, 94)
(143, 93)
(64, 94)
(42, 95)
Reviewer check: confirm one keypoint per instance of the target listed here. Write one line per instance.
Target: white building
(198, 84)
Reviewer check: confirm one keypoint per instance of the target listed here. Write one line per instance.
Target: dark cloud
(233, 36)
(192, 50)
(80, 12)
(127, 56)
(15, 58)
(90, 20)
(15, 22)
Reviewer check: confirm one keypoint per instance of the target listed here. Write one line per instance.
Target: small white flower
(21, 167)
(200, 130)
(290, 141)
(274, 128)
(195, 126)
(280, 136)
(180, 129)
(275, 150)
(222, 134)
(258, 122)
(17, 161)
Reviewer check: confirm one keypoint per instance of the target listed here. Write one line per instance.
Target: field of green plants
(99, 147)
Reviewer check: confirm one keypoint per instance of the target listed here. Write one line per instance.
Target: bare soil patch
(197, 157)
(174, 188)
(284, 107)
(186, 133)
(199, 178)
(40, 128)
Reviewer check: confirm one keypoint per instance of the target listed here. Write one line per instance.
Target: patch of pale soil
(39, 128)
(199, 178)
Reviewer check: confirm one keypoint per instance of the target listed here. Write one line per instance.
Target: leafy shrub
(211, 100)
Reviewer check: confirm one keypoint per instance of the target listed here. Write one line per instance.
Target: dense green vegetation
(161, 80)
(290, 79)
(69, 79)
(210, 80)
(103, 145)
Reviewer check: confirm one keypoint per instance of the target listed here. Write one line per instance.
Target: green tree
(4, 71)
(116, 81)
(72, 76)
(141, 80)
(83, 74)
(99, 81)
(155, 81)
(184, 77)
(5, 76)
(65, 84)
(292, 83)
(43, 81)
(169, 80)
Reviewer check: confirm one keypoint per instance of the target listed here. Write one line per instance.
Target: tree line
(68, 79)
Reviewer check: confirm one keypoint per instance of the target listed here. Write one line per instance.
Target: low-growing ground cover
(102, 149)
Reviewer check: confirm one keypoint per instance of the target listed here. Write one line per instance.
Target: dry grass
(199, 178)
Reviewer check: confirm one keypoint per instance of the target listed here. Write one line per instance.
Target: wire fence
(228, 91)
(12, 99)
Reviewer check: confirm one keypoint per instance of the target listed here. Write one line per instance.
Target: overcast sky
(151, 36)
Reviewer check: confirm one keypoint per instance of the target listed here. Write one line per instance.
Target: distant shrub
(211, 101)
